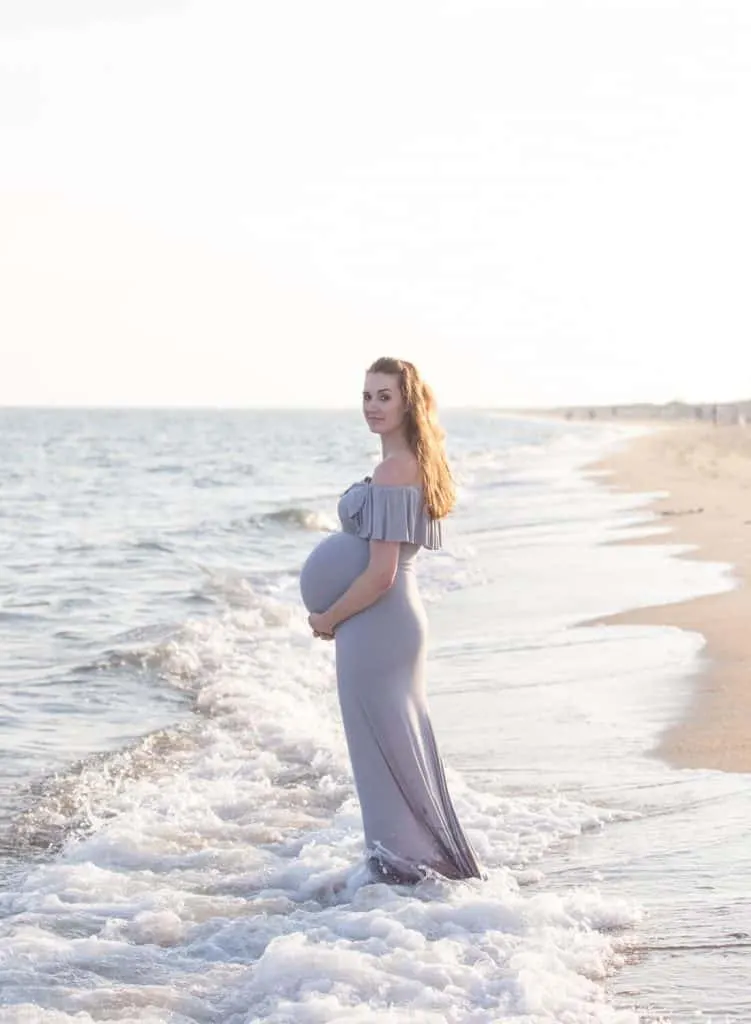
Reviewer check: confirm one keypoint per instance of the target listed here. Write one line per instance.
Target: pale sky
(244, 202)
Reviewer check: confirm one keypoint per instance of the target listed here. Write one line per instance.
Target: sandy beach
(706, 470)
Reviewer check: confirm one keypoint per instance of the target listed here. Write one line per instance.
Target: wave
(73, 803)
(297, 516)
(232, 843)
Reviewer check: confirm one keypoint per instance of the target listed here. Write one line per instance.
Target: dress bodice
(380, 512)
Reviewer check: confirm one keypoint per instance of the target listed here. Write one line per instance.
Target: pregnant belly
(330, 568)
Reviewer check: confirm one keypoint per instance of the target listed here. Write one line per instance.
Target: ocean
(179, 836)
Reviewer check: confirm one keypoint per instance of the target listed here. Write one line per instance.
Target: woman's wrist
(328, 623)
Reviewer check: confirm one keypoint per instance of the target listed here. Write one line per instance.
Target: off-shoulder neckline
(391, 487)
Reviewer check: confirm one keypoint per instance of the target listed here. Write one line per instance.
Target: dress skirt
(409, 820)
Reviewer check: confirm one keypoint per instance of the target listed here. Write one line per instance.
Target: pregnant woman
(360, 589)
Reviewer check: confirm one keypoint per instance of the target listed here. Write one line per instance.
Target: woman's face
(382, 402)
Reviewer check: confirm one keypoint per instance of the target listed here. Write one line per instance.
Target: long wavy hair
(425, 435)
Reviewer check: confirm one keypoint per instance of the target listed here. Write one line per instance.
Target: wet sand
(707, 471)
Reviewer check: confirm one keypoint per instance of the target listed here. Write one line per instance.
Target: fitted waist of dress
(407, 553)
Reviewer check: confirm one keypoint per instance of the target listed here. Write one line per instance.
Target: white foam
(230, 887)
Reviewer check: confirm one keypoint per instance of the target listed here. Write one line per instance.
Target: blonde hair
(425, 435)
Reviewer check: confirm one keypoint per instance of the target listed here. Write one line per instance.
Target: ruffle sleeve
(396, 513)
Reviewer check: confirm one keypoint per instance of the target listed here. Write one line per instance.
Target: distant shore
(703, 461)
(716, 413)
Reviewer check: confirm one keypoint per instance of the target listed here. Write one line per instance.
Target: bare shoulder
(398, 471)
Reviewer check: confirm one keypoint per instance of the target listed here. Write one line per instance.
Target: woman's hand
(321, 626)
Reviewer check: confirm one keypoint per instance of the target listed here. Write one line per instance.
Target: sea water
(179, 835)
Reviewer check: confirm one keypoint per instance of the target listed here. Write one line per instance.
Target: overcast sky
(244, 202)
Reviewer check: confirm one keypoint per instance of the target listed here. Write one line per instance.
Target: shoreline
(706, 471)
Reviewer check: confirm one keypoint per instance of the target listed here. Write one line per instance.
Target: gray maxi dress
(409, 820)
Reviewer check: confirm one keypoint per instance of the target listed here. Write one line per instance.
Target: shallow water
(179, 832)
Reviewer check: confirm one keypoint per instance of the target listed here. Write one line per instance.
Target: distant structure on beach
(718, 413)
